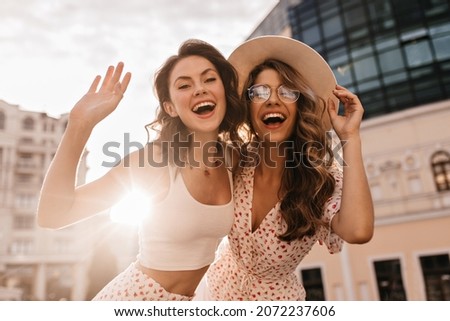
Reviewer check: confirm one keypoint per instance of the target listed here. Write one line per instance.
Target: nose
(199, 90)
(273, 98)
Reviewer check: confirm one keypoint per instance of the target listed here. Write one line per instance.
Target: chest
(262, 250)
(265, 198)
(181, 218)
(211, 189)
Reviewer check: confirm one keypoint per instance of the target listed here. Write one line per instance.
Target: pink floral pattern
(133, 285)
(257, 265)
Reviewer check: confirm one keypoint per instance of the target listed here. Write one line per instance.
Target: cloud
(50, 50)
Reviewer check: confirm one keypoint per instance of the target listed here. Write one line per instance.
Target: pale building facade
(407, 157)
(36, 264)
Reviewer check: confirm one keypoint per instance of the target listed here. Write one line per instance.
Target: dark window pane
(313, 284)
(365, 68)
(311, 35)
(418, 53)
(391, 60)
(355, 17)
(436, 274)
(441, 47)
(389, 280)
(332, 26)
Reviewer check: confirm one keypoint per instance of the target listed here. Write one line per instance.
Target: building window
(63, 246)
(440, 163)
(436, 273)
(24, 178)
(21, 247)
(391, 61)
(25, 160)
(313, 284)
(2, 120)
(24, 222)
(389, 280)
(26, 141)
(25, 201)
(418, 53)
(28, 123)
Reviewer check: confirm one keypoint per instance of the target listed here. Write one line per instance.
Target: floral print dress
(257, 265)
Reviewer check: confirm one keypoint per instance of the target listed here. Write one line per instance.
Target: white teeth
(205, 103)
(274, 115)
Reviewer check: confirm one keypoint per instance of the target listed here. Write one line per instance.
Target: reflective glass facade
(395, 54)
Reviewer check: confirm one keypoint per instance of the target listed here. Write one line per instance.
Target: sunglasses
(261, 93)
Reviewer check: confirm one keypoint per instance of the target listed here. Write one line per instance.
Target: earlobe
(170, 109)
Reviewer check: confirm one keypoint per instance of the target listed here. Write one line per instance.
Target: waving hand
(99, 102)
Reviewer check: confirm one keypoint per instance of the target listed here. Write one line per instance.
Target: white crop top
(180, 233)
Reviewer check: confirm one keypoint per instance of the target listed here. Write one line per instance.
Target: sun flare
(131, 209)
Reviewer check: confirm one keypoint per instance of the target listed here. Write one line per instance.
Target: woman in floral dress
(291, 192)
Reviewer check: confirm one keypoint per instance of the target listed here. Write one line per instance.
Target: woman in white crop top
(184, 172)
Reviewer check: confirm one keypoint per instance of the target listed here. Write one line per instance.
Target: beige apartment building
(36, 264)
(407, 158)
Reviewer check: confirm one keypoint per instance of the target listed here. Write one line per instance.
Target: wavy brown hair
(306, 183)
(168, 127)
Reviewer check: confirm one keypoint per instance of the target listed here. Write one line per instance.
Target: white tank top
(180, 233)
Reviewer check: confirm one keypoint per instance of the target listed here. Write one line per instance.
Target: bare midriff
(177, 282)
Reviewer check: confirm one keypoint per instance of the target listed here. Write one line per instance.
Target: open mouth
(204, 108)
(273, 118)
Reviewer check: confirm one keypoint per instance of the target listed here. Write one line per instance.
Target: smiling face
(197, 95)
(273, 119)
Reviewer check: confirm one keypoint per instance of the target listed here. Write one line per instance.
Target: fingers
(94, 84)
(345, 95)
(117, 73)
(107, 79)
(332, 108)
(125, 81)
(111, 81)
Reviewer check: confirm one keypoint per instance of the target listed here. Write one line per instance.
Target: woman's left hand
(346, 125)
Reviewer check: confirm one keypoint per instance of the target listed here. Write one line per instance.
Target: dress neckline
(251, 173)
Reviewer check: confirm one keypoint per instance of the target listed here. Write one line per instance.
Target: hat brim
(308, 62)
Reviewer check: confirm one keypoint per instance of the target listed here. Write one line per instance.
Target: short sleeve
(332, 206)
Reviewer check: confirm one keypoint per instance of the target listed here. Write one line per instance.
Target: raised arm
(355, 221)
(60, 203)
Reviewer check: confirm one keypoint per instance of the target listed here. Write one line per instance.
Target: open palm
(98, 103)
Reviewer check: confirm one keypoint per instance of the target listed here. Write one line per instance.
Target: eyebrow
(204, 72)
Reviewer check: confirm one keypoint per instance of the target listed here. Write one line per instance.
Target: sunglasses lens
(287, 94)
(259, 93)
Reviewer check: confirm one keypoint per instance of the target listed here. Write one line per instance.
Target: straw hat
(308, 62)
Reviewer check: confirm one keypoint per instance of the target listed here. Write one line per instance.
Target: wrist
(352, 138)
(78, 129)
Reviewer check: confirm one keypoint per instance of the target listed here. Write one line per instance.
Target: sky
(51, 50)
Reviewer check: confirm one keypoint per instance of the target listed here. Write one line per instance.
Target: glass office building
(393, 53)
